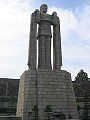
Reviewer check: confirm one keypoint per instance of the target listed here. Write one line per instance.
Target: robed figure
(40, 29)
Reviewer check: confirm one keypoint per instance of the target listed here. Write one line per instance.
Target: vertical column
(32, 43)
(57, 54)
(54, 49)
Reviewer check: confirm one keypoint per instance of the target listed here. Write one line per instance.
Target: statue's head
(43, 8)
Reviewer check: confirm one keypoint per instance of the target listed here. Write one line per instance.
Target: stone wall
(46, 87)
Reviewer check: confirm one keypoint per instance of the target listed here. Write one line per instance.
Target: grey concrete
(54, 88)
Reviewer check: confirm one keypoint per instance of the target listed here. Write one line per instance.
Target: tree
(35, 112)
(81, 76)
(48, 113)
(78, 107)
(62, 116)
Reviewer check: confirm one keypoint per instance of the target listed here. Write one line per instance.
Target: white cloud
(74, 21)
(14, 34)
(83, 29)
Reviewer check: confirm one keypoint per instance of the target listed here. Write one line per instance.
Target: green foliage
(62, 116)
(35, 108)
(78, 107)
(81, 76)
(48, 109)
(35, 112)
(48, 113)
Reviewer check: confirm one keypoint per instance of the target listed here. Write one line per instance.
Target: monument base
(46, 87)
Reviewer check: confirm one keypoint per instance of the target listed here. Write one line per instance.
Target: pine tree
(81, 76)
(48, 113)
(35, 112)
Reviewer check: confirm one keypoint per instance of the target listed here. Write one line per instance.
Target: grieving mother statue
(40, 30)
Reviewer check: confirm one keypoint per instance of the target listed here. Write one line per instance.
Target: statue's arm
(57, 54)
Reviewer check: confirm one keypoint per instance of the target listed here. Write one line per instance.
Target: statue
(43, 34)
(40, 85)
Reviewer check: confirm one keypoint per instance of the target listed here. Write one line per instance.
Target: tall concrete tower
(42, 87)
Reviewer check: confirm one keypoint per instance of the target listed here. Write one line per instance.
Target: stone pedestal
(46, 87)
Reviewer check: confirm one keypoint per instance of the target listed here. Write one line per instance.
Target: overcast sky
(14, 34)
